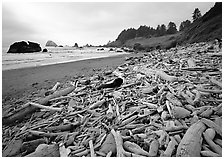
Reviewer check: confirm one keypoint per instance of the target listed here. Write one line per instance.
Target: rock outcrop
(51, 43)
(76, 45)
(45, 50)
(24, 47)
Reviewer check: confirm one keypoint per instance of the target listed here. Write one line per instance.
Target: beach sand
(22, 83)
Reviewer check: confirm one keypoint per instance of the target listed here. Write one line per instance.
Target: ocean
(53, 56)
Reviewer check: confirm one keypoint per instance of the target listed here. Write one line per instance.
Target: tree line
(147, 31)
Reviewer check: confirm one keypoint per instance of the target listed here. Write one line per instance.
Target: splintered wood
(158, 104)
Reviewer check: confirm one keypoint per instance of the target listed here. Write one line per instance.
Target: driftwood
(45, 134)
(134, 148)
(200, 69)
(108, 145)
(170, 148)
(191, 63)
(13, 148)
(45, 107)
(27, 109)
(45, 150)
(92, 152)
(210, 133)
(64, 127)
(208, 153)
(169, 103)
(213, 125)
(190, 144)
(30, 146)
(212, 145)
(154, 147)
(119, 144)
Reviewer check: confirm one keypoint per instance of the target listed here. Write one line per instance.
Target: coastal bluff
(24, 47)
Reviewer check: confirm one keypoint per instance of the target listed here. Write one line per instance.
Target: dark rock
(60, 46)
(51, 43)
(100, 49)
(111, 49)
(45, 50)
(34, 84)
(76, 45)
(24, 47)
(116, 83)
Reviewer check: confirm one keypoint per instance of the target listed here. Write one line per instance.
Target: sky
(95, 23)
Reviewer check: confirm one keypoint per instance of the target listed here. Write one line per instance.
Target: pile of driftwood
(163, 103)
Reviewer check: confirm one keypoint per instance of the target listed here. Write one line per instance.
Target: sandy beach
(19, 83)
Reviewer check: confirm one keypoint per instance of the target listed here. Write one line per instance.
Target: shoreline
(60, 62)
(22, 82)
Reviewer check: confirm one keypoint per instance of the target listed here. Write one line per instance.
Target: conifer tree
(196, 14)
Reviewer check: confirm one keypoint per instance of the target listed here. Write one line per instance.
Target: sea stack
(51, 43)
(24, 47)
(76, 45)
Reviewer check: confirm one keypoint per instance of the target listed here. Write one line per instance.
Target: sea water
(53, 56)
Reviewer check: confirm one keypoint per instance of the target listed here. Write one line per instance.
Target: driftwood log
(190, 144)
(45, 150)
(28, 109)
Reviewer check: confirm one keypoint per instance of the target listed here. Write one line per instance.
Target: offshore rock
(24, 47)
(51, 43)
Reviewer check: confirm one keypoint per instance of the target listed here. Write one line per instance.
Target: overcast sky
(67, 23)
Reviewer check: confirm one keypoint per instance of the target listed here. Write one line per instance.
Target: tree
(172, 28)
(196, 14)
(152, 31)
(184, 25)
(126, 35)
(142, 31)
(158, 29)
(162, 29)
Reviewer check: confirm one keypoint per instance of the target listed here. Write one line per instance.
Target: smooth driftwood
(109, 145)
(190, 145)
(213, 125)
(200, 69)
(45, 150)
(13, 148)
(27, 109)
(62, 127)
(30, 146)
(214, 147)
